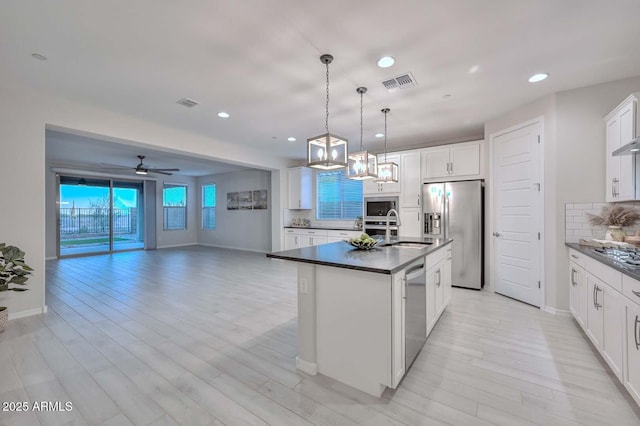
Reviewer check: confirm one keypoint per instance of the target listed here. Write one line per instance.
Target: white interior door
(517, 212)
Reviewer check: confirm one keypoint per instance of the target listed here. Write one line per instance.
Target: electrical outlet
(303, 286)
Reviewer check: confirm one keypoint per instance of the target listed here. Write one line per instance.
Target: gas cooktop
(627, 257)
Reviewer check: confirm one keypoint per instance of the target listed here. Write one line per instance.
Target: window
(338, 198)
(174, 203)
(209, 206)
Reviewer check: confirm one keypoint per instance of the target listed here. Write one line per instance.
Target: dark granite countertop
(382, 260)
(588, 251)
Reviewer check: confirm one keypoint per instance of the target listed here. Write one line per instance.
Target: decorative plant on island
(615, 217)
(13, 270)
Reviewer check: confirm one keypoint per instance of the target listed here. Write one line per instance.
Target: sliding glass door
(99, 216)
(127, 217)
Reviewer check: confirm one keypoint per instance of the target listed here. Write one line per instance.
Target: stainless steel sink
(409, 244)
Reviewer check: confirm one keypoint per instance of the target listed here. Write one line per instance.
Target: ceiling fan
(141, 168)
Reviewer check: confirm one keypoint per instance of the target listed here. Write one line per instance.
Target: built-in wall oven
(375, 215)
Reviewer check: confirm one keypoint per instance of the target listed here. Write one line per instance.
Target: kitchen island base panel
(311, 368)
(307, 345)
(354, 328)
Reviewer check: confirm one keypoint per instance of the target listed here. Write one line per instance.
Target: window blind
(338, 198)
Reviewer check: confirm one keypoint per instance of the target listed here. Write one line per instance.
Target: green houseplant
(13, 270)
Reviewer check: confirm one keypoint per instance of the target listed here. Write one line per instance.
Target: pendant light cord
(361, 94)
(385, 136)
(326, 121)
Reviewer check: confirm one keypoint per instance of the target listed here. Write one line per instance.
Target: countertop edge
(586, 250)
(387, 271)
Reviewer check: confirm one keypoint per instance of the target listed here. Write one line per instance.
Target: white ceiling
(259, 61)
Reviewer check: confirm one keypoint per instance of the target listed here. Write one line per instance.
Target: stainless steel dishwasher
(415, 310)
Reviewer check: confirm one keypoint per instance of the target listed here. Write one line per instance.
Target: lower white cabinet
(299, 238)
(336, 235)
(631, 302)
(632, 352)
(601, 303)
(438, 285)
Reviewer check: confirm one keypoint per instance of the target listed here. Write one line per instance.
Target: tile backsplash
(577, 224)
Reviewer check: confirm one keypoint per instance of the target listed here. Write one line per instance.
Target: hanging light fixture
(362, 164)
(327, 151)
(388, 170)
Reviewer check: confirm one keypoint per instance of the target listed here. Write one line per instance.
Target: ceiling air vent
(189, 103)
(403, 81)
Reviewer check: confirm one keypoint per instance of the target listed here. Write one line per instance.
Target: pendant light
(388, 170)
(327, 151)
(362, 164)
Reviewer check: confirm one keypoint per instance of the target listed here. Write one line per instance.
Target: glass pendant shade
(387, 170)
(362, 165)
(327, 152)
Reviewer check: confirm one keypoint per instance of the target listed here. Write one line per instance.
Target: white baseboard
(306, 366)
(554, 311)
(232, 248)
(177, 245)
(28, 313)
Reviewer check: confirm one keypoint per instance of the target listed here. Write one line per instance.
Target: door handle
(496, 234)
(635, 332)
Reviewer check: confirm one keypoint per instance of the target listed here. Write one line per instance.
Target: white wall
(238, 229)
(24, 115)
(574, 157)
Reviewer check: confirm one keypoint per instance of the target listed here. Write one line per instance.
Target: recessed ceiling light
(386, 62)
(379, 135)
(447, 96)
(634, 149)
(538, 77)
(474, 69)
(38, 57)
(291, 139)
(223, 114)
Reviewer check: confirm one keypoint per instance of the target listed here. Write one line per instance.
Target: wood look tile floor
(205, 336)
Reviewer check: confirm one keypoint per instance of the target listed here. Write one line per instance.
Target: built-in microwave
(375, 215)
(376, 208)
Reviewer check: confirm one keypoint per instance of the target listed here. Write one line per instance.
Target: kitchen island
(353, 317)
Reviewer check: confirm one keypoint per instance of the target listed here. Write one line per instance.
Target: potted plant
(13, 270)
(615, 217)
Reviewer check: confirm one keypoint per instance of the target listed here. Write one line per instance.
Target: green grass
(104, 240)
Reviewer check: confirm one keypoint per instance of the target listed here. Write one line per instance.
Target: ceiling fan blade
(159, 172)
(163, 170)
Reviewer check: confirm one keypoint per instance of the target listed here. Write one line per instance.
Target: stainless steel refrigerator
(455, 210)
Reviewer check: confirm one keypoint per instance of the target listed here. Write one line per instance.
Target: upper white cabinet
(369, 187)
(457, 160)
(621, 125)
(410, 222)
(300, 188)
(410, 182)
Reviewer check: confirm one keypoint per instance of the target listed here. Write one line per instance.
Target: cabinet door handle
(595, 297)
(635, 333)
(296, 240)
(613, 187)
(597, 305)
(438, 282)
(575, 257)
(573, 279)
(451, 172)
(637, 293)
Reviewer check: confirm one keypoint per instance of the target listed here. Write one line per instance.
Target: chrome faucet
(387, 233)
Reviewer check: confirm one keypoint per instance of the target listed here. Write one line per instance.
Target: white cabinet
(613, 331)
(398, 322)
(438, 285)
(457, 160)
(335, 235)
(300, 190)
(621, 126)
(577, 292)
(410, 179)
(410, 222)
(595, 318)
(369, 187)
(632, 349)
(299, 238)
